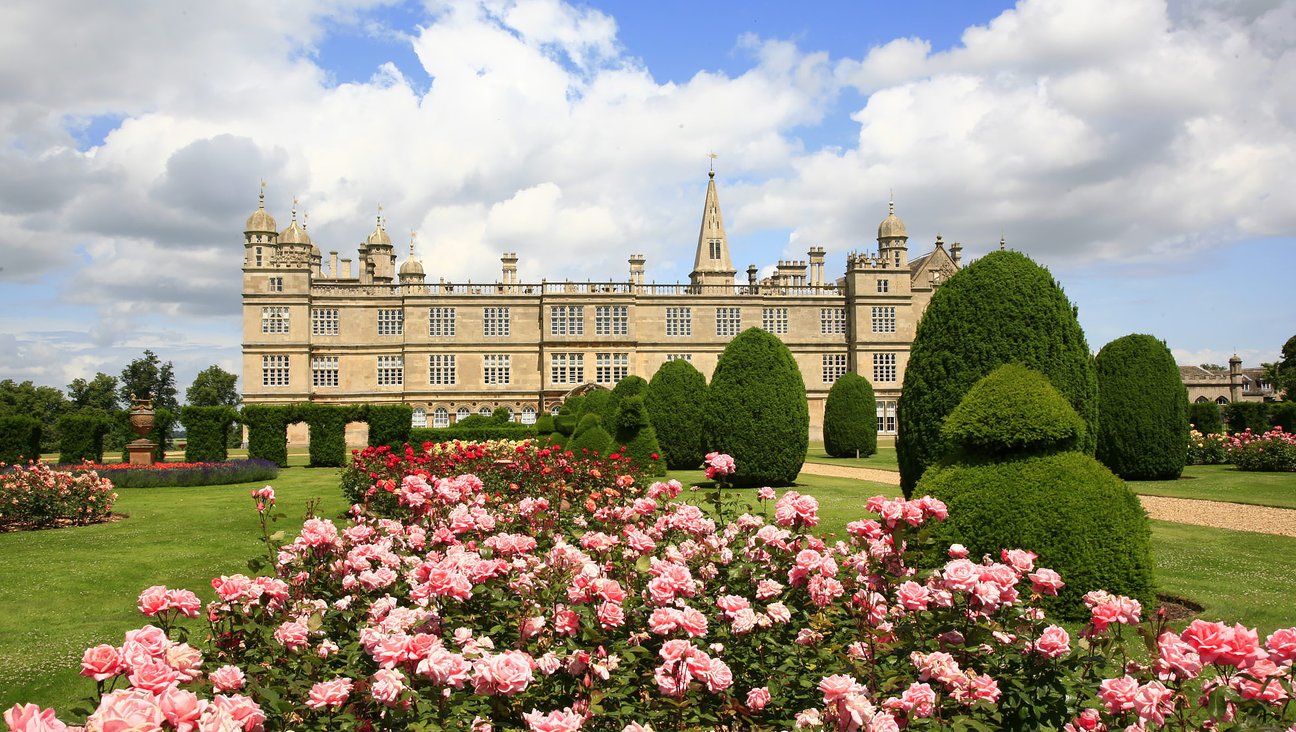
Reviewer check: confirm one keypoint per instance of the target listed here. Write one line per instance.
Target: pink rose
(292, 634)
(957, 551)
(332, 694)
(153, 676)
(185, 601)
(227, 678)
(1118, 694)
(242, 710)
(766, 494)
(151, 640)
(718, 677)
(1019, 559)
(610, 615)
(101, 662)
(1281, 645)
(693, 622)
(153, 600)
(505, 673)
(836, 687)
(31, 718)
(757, 698)
(1053, 642)
(1045, 582)
(960, 574)
(564, 720)
(127, 709)
(181, 708)
(913, 596)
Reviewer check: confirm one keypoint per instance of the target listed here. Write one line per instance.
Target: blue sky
(1143, 151)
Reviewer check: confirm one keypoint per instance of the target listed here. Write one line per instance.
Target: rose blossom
(127, 709)
(506, 673)
(31, 718)
(181, 708)
(329, 694)
(1053, 642)
(227, 678)
(757, 698)
(101, 662)
(153, 600)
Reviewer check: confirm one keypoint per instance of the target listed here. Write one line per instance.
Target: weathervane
(413, 236)
(713, 157)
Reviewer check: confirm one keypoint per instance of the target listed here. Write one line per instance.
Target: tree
(148, 377)
(1286, 381)
(45, 404)
(1142, 406)
(213, 387)
(676, 401)
(99, 394)
(1213, 367)
(1002, 308)
(850, 417)
(756, 410)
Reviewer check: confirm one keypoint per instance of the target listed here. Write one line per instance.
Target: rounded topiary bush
(629, 386)
(1142, 406)
(590, 435)
(1205, 418)
(635, 433)
(756, 410)
(850, 417)
(1015, 480)
(1002, 308)
(676, 401)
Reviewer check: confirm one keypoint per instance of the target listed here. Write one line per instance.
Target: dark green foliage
(501, 415)
(676, 401)
(850, 417)
(1048, 497)
(627, 387)
(81, 437)
(20, 439)
(1066, 507)
(470, 433)
(1011, 411)
(596, 401)
(206, 429)
(98, 393)
(45, 404)
(1283, 414)
(1143, 405)
(573, 405)
(1002, 308)
(213, 387)
(1243, 416)
(477, 420)
(544, 424)
(389, 424)
(267, 431)
(327, 425)
(565, 424)
(635, 433)
(148, 378)
(756, 410)
(1205, 418)
(591, 436)
(1286, 368)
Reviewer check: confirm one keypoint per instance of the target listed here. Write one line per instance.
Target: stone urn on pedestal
(141, 418)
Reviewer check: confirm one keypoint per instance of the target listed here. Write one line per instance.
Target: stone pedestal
(141, 452)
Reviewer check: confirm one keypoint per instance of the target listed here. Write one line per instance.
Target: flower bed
(1208, 449)
(38, 496)
(1274, 450)
(161, 475)
(582, 600)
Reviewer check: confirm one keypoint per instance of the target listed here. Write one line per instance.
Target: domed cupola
(378, 237)
(295, 233)
(261, 222)
(892, 227)
(893, 240)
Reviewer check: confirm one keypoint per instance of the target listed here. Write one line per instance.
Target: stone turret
(893, 239)
(508, 268)
(1235, 379)
(260, 235)
(712, 264)
(637, 262)
(378, 258)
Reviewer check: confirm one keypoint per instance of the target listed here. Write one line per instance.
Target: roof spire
(261, 197)
(891, 201)
(305, 219)
(712, 264)
(294, 209)
(413, 235)
(713, 157)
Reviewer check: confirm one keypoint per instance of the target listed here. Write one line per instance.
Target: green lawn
(883, 459)
(1224, 483)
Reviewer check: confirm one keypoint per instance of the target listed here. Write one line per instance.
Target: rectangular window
(259, 258)
(832, 320)
(274, 320)
(884, 367)
(324, 321)
(566, 368)
(391, 370)
(495, 322)
(679, 357)
(441, 369)
(883, 286)
(884, 320)
(567, 320)
(391, 322)
(679, 321)
(324, 371)
(495, 369)
(441, 321)
(834, 366)
(611, 320)
(276, 284)
(886, 416)
(274, 371)
(611, 367)
(774, 320)
(728, 321)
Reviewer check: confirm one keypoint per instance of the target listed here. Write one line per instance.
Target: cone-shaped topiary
(590, 435)
(635, 432)
(1015, 480)
(629, 386)
(1002, 308)
(595, 402)
(850, 417)
(1142, 405)
(676, 401)
(756, 410)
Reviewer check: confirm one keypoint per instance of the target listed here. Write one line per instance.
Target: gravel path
(1236, 516)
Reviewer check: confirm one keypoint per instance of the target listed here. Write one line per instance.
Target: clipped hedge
(1002, 308)
(327, 424)
(1014, 479)
(167, 475)
(435, 435)
(1205, 418)
(1142, 404)
(267, 431)
(635, 433)
(1243, 416)
(81, 437)
(544, 424)
(596, 401)
(850, 418)
(206, 433)
(676, 401)
(1283, 414)
(591, 436)
(389, 424)
(756, 410)
(629, 386)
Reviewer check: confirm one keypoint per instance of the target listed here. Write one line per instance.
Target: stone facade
(325, 333)
(1223, 387)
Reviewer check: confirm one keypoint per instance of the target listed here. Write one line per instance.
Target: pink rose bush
(553, 601)
(1274, 450)
(37, 496)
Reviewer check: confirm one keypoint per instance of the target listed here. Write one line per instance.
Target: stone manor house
(367, 331)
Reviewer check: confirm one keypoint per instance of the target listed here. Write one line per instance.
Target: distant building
(365, 331)
(1223, 387)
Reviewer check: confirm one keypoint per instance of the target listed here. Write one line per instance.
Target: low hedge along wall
(81, 437)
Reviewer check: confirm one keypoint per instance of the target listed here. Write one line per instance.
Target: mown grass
(883, 459)
(1224, 483)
